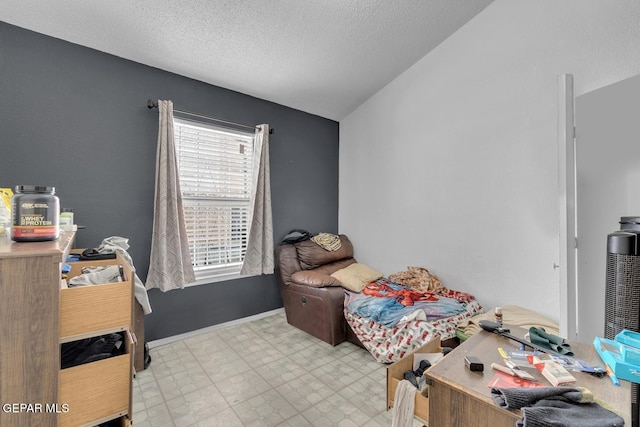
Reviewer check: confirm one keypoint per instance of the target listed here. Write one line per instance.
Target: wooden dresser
(459, 397)
(37, 314)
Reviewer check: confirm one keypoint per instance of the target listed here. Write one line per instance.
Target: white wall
(454, 165)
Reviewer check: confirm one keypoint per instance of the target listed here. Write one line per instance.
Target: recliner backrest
(308, 255)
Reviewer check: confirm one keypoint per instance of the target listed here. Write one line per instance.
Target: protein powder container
(35, 212)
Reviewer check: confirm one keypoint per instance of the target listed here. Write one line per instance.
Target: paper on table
(501, 380)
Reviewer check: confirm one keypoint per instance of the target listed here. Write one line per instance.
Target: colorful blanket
(389, 303)
(396, 321)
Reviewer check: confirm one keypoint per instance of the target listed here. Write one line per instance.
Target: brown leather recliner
(313, 300)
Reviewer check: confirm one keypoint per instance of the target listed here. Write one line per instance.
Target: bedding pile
(396, 315)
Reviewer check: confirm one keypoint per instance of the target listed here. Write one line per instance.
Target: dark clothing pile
(556, 407)
(91, 349)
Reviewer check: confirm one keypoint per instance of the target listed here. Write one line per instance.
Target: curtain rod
(154, 104)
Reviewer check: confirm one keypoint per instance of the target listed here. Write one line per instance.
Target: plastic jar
(497, 314)
(35, 212)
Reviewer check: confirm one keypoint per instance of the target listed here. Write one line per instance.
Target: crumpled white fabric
(97, 275)
(404, 405)
(121, 244)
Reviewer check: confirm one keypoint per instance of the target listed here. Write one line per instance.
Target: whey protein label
(35, 212)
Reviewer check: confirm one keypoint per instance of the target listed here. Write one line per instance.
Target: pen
(613, 377)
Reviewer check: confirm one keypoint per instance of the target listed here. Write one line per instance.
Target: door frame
(568, 319)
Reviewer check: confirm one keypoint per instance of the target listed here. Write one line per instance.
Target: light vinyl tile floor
(262, 372)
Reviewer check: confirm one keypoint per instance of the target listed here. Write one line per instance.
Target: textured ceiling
(324, 57)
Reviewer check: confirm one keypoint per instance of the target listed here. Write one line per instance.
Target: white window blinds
(215, 167)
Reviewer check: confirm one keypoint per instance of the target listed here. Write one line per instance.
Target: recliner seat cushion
(313, 278)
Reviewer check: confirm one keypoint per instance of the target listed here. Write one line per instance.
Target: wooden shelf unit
(38, 312)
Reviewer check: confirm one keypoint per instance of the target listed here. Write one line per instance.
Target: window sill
(215, 279)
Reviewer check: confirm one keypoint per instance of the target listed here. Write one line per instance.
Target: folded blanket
(328, 241)
(556, 407)
(512, 315)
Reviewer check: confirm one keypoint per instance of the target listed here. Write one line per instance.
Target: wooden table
(459, 397)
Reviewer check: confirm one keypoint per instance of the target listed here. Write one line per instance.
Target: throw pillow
(356, 276)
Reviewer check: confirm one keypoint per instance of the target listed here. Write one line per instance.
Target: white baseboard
(174, 338)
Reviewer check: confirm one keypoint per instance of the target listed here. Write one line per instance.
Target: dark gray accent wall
(77, 119)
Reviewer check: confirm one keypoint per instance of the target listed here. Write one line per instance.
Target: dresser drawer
(395, 374)
(96, 392)
(96, 309)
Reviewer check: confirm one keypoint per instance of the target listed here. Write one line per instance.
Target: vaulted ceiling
(324, 57)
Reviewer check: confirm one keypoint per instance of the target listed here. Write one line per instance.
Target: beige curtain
(259, 256)
(170, 263)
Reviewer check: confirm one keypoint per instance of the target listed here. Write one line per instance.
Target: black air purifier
(622, 295)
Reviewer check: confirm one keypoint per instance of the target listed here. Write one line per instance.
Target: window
(215, 168)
